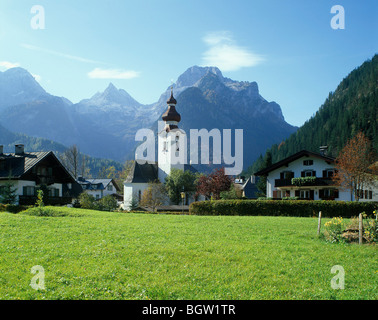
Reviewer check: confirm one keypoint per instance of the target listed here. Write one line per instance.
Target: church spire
(171, 116)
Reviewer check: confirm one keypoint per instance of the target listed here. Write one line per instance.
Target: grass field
(97, 255)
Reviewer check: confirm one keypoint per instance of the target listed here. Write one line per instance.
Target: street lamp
(183, 197)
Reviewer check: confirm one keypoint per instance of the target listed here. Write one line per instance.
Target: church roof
(142, 173)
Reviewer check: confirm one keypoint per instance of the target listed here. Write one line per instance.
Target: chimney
(19, 149)
(323, 150)
(1, 150)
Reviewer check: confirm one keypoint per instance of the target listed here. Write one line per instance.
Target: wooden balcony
(50, 201)
(319, 182)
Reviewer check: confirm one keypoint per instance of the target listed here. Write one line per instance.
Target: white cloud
(8, 65)
(226, 55)
(59, 54)
(99, 73)
(37, 77)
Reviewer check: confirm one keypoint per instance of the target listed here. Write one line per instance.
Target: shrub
(294, 208)
(50, 212)
(107, 203)
(13, 208)
(87, 201)
(334, 229)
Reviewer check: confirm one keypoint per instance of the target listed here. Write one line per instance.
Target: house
(312, 173)
(250, 188)
(100, 188)
(170, 140)
(30, 171)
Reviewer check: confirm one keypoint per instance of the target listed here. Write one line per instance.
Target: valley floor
(96, 255)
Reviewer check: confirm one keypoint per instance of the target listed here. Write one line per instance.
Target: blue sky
(288, 47)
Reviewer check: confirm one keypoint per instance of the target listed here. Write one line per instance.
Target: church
(171, 154)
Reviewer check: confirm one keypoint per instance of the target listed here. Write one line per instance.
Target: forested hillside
(351, 108)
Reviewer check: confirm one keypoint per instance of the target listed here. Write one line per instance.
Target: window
(110, 187)
(370, 195)
(97, 196)
(53, 192)
(286, 175)
(139, 195)
(308, 162)
(304, 194)
(29, 191)
(177, 143)
(328, 193)
(328, 173)
(309, 173)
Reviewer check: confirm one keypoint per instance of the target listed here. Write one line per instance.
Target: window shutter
(324, 173)
(321, 193)
(314, 173)
(312, 194)
(336, 193)
(302, 174)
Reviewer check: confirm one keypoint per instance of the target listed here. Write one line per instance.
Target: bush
(107, 203)
(87, 201)
(334, 229)
(13, 208)
(50, 212)
(293, 208)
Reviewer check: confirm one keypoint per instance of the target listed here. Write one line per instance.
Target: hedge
(292, 208)
(12, 208)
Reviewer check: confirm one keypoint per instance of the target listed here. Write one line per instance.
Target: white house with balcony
(308, 175)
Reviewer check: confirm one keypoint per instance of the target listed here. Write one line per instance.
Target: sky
(296, 50)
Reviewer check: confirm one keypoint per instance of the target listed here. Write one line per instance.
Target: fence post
(319, 221)
(360, 226)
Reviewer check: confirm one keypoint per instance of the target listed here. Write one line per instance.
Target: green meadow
(100, 255)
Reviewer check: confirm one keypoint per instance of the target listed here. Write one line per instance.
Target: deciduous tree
(213, 184)
(154, 196)
(352, 165)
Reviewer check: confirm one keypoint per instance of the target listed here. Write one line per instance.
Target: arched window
(177, 143)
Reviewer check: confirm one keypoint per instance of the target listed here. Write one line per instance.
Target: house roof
(19, 165)
(300, 154)
(101, 183)
(250, 189)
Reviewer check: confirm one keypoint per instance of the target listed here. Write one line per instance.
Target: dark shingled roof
(250, 189)
(142, 173)
(21, 163)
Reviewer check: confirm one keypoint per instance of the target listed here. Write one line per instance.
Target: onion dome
(171, 100)
(171, 114)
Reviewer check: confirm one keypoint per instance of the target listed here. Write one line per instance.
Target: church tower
(172, 141)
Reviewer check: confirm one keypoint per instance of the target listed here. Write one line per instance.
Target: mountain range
(351, 108)
(105, 124)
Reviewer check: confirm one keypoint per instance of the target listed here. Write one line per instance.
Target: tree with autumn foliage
(154, 196)
(354, 165)
(213, 184)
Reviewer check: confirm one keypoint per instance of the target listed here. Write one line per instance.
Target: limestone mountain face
(105, 124)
